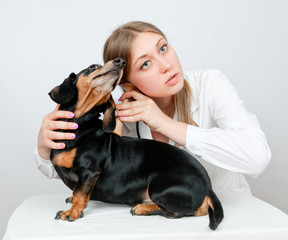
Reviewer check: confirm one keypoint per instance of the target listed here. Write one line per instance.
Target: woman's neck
(166, 104)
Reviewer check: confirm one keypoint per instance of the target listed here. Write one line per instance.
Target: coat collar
(191, 79)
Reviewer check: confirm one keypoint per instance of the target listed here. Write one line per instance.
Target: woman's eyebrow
(145, 55)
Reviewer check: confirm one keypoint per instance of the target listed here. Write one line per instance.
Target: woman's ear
(109, 119)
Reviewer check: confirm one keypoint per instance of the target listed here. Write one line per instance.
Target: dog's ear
(65, 92)
(109, 120)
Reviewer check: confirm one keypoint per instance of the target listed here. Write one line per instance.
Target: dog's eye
(94, 67)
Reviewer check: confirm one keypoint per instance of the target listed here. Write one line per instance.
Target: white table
(246, 217)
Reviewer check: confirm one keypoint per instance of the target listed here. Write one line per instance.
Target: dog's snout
(119, 62)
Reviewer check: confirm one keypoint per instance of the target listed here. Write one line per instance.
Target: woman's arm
(237, 143)
(47, 132)
(146, 110)
(45, 166)
(46, 137)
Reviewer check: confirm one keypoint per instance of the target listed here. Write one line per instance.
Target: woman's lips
(172, 80)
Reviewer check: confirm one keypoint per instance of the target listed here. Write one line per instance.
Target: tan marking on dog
(95, 89)
(129, 87)
(145, 209)
(108, 115)
(77, 207)
(119, 128)
(65, 159)
(89, 193)
(203, 209)
(80, 201)
(88, 96)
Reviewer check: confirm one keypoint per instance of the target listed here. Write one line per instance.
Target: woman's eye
(145, 65)
(163, 48)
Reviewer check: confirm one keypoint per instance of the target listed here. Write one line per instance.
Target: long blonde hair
(119, 44)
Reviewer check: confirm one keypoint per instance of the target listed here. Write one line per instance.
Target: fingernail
(72, 136)
(62, 145)
(71, 114)
(116, 113)
(120, 99)
(121, 118)
(75, 125)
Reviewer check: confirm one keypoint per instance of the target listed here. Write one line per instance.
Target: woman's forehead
(144, 44)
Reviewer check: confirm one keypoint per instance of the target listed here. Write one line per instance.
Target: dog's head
(89, 88)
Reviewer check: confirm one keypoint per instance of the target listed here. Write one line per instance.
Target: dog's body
(153, 177)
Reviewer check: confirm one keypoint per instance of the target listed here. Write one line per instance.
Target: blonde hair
(119, 44)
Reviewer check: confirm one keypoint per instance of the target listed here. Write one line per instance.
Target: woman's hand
(47, 134)
(143, 109)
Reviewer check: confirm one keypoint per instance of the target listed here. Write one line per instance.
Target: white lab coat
(229, 141)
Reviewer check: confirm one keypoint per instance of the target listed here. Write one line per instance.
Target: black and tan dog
(153, 177)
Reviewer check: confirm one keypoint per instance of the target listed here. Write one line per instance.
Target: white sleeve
(237, 143)
(45, 166)
(117, 93)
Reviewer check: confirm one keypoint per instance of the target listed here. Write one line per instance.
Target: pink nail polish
(121, 118)
(62, 145)
(71, 114)
(75, 125)
(72, 136)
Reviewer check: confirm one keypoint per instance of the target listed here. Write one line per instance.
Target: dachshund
(155, 178)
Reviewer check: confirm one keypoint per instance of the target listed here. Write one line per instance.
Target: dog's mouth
(106, 78)
(114, 78)
(113, 71)
(106, 82)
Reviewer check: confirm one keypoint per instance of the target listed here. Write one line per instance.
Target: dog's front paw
(69, 200)
(68, 215)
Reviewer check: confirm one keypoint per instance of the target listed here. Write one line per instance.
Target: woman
(199, 111)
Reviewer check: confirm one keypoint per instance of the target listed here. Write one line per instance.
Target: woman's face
(155, 68)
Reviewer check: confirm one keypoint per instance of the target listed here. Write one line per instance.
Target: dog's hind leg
(81, 196)
(176, 196)
(147, 209)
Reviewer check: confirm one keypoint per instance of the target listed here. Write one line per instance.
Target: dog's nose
(119, 62)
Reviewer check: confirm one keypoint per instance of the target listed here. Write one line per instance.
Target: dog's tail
(215, 210)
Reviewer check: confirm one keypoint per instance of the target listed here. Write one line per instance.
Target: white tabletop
(246, 217)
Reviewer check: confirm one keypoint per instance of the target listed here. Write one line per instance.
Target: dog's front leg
(81, 195)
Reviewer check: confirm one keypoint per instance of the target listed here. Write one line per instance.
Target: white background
(41, 42)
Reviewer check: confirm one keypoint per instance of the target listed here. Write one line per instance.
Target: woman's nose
(165, 65)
